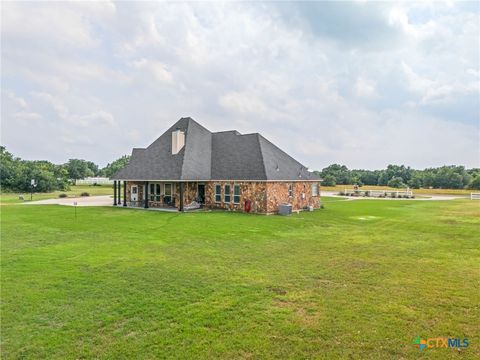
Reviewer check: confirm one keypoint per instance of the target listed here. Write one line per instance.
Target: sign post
(33, 185)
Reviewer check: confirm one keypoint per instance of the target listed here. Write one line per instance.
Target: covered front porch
(172, 195)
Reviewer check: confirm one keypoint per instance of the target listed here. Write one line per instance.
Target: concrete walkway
(101, 200)
(418, 197)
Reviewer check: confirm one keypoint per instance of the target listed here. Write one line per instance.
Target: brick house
(220, 170)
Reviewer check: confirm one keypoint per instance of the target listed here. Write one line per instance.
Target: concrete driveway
(101, 200)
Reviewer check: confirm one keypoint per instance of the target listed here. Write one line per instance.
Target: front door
(201, 193)
(134, 193)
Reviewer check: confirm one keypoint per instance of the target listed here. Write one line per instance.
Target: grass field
(75, 191)
(415, 191)
(358, 279)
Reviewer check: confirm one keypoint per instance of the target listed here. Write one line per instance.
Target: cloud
(360, 83)
(23, 115)
(155, 68)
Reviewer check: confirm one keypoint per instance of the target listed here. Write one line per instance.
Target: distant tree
(367, 177)
(396, 182)
(339, 172)
(392, 171)
(416, 182)
(118, 164)
(93, 168)
(475, 183)
(329, 180)
(8, 168)
(79, 169)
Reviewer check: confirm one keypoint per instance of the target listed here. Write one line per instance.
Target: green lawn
(358, 279)
(75, 191)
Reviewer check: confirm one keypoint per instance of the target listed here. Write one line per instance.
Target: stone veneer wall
(265, 197)
(277, 193)
(253, 191)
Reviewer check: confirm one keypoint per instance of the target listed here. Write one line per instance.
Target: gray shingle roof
(226, 155)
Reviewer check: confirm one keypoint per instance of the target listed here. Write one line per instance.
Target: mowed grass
(75, 191)
(358, 279)
(459, 192)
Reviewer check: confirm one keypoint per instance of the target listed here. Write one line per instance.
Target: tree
(329, 180)
(396, 182)
(79, 169)
(392, 171)
(475, 183)
(118, 164)
(7, 168)
(339, 172)
(93, 168)
(415, 182)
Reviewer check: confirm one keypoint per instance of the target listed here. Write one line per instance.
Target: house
(221, 170)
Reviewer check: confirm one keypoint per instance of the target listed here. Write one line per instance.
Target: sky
(365, 84)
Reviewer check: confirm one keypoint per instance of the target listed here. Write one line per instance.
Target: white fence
(474, 196)
(379, 193)
(94, 180)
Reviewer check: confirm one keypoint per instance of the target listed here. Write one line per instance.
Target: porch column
(119, 193)
(114, 192)
(146, 194)
(181, 196)
(124, 193)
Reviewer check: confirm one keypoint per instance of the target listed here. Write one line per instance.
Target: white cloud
(24, 115)
(365, 87)
(155, 68)
(388, 85)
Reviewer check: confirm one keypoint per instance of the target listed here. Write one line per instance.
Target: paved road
(102, 200)
(423, 197)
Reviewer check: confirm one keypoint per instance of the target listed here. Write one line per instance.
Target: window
(168, 194)
(236, 194)
(227, 194)
(154, 192)
(290, 190)
(315, 189)
(218, 193)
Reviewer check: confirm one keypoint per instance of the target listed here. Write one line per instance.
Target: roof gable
(226, 155)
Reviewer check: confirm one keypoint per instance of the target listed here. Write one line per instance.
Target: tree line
(16, 174)
(400, 176)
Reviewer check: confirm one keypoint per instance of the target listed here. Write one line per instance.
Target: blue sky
(358, 83)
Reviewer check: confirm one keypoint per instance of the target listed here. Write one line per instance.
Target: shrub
(62, 195)
(84, 194)
(322, 206)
